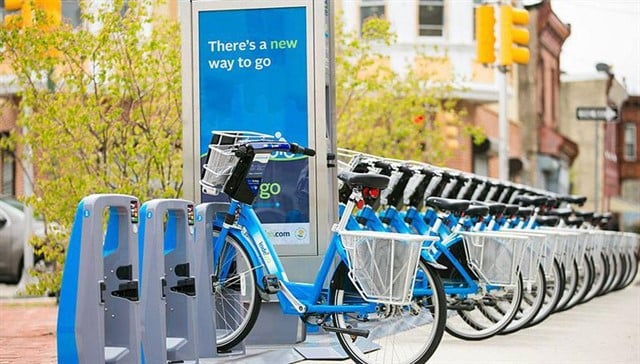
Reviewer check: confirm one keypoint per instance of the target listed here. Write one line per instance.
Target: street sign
(596, 113)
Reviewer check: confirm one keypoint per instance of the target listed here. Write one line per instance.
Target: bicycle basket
(383, 265)
(494, 256)
(532, 254)
(221, 158)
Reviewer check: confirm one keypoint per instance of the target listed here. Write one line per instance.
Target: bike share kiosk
(98, 315)
(168, 287)
(260, 66)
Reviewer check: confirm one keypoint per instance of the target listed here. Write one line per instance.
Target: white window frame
(440, 27)
(371, 3)
(630, 142)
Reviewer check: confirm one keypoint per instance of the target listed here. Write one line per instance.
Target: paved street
(605, 330)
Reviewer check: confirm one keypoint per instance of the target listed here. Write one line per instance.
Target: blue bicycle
(384, 303)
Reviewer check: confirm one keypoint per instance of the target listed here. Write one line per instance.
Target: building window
(431, 18)
(8, 173)
(71, 12)
(371, 8)
(630, 142)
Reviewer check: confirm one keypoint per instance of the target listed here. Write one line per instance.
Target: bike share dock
(137, 287)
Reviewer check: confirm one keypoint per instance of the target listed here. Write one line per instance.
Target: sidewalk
(605, 330)
(27, 331)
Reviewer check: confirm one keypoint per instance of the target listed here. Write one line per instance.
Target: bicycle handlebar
(297, 149)
(268, 147)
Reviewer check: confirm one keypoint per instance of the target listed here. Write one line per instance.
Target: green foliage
(101, 110)
(380, 111)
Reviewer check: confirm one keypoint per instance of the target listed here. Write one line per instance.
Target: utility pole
(503, 125)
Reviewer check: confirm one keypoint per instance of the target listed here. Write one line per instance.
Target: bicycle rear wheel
(235, 293)
(397, 333)
(481, 316)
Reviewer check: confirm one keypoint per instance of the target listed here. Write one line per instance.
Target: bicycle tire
(237, 301)
(531, 304)
(600, 266)
(617, 284)
(553, 293)
(633, 260)
(571, 283)
(615, 265)
(398, 334)
(485, 321)
(585, 279)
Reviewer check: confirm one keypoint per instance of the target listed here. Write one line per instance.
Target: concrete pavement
(604, 330)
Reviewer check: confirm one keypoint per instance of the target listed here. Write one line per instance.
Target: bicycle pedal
(467, 305)
(271, 284)
(488, 301)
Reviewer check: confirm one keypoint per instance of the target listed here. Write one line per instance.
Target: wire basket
(549, 252)
(531, 254)
(383, 265)
(569, 243)
(221, 158)
(494, 256)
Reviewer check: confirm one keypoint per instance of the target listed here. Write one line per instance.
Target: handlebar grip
(296, 149)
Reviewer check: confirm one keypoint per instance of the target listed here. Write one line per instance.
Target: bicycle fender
(429, 259)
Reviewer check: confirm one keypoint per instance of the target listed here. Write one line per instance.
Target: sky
(606, 31)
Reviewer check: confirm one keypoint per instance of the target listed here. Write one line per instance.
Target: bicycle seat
(511, 210)
(577, 221)
(494, 207)
(562, 212)
(586, 215)
(524, 212)
(476, 211)
(447, 204)
(547, 220)
(532, 200)
(578, 200)
(370, 180)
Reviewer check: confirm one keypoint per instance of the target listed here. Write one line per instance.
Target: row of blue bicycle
(420, 250)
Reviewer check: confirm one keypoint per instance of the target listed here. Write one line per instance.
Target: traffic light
(17, 13)
(512, 30)
(485, 36)
(52, 11)
(20, 13)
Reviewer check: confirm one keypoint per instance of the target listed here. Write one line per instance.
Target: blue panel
(112, 235)
(141, 230)
(67, 349)
(253, 76)
(170, 232)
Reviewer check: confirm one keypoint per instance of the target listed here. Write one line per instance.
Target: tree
(100, 107)
(403, 115)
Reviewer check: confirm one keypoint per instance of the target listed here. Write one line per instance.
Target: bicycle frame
(295, 298)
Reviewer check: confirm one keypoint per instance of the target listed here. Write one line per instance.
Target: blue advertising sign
(253, 76)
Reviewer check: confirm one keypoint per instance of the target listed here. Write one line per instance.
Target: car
(13, 238)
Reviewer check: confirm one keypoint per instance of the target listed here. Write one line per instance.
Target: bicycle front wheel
(397, 333)
(237, 301)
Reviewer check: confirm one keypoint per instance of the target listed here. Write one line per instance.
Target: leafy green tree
(403, 115)
(100, 107)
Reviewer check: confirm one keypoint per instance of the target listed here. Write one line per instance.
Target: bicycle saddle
(476, 211)
(511, 210)
(447, 204)
(495, 208)
(561, 212)
(547, 220)
(532, 200)
(524, 212)
(370, 180)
